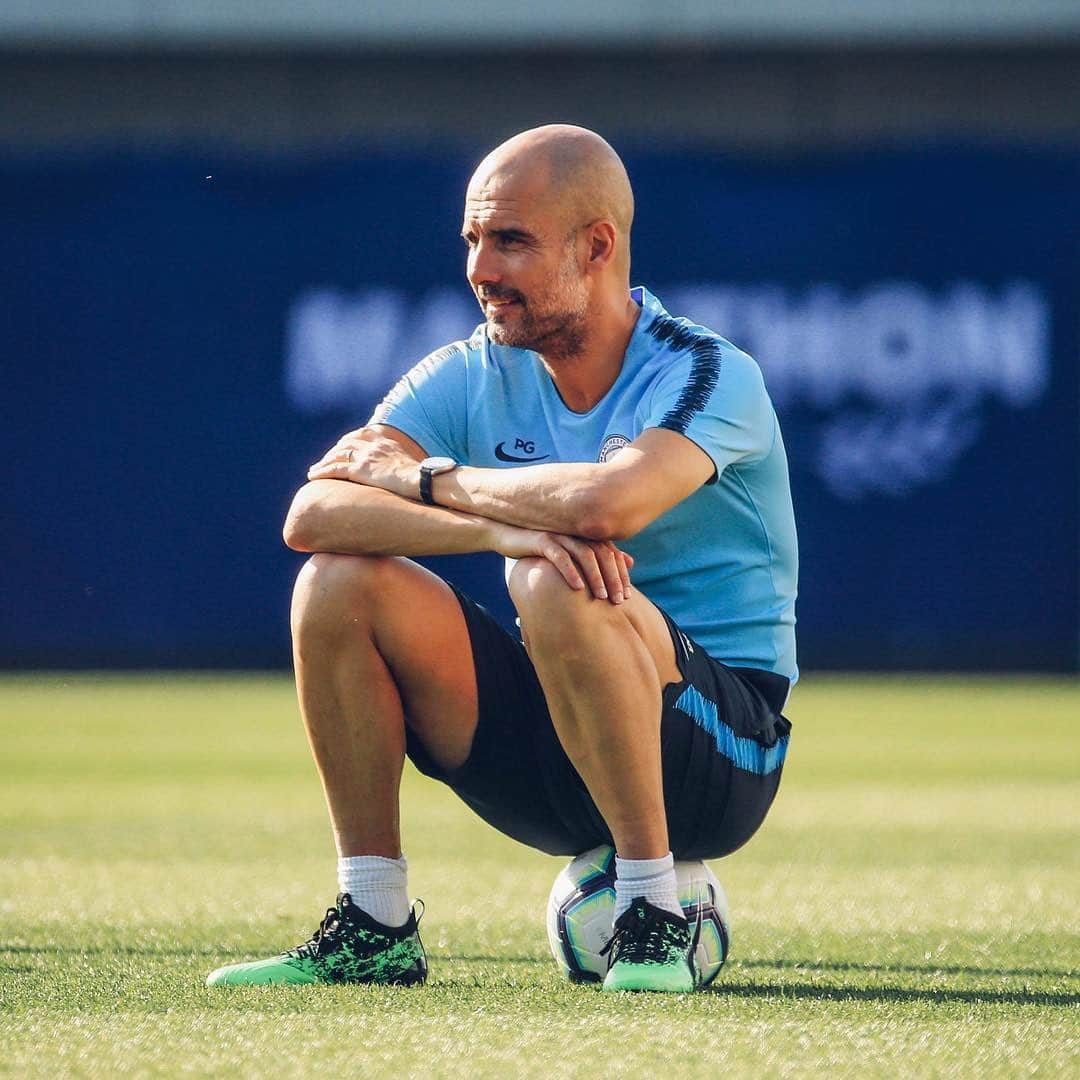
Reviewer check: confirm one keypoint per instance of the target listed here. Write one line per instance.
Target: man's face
(523, 266)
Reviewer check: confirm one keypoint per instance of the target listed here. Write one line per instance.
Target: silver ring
(349, 454)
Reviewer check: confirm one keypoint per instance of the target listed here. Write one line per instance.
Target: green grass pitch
(909, 908)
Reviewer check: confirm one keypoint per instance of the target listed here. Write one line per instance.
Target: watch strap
(429, 468)
(426, 475)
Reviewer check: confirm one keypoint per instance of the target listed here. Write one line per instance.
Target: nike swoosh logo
(502, 455)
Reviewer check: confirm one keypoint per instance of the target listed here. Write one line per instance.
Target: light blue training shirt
(722, 563)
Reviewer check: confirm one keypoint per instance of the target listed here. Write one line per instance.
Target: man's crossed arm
(567, 513)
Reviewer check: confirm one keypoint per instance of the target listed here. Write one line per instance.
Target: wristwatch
(429, 467)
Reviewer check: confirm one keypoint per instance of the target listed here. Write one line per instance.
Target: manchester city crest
(612, 445)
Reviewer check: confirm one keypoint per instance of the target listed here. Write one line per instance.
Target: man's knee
(567, 620)
(547, 606)
(337, 591)
(534, 584)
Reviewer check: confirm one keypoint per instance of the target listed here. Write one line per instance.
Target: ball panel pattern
(582, 903)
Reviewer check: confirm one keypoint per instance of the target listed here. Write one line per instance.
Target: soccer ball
(582, 903)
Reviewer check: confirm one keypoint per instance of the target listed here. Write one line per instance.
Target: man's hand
(369, 457)
(597, 565)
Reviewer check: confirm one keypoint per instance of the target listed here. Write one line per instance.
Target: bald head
(571, 169)
(547, 224)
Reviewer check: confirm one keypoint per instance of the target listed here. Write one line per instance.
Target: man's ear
(603, 240)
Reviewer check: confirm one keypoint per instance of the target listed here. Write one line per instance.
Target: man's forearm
(570, 498)
(353, 519)
(565, 498)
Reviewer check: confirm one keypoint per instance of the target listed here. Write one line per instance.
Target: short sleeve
(715, 395)
(429, 403)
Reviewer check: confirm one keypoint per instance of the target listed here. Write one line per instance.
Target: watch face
(438, 464)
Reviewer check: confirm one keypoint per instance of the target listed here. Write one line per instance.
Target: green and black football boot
(349, 947)
(651, 949)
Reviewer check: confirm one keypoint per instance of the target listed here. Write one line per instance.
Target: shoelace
(312, 949)
(642, 935)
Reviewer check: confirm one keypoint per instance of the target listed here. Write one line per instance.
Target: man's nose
(483, 265)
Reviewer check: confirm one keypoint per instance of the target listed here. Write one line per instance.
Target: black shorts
(723, 743)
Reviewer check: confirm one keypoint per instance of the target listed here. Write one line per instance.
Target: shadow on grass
(937, 995)
(224, 950)
(809, 991)
(120, 950)
(892, 994)
(913, 969)
(724, 987)
(489, 959)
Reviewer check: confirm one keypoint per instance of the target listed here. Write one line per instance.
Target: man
(592, 440)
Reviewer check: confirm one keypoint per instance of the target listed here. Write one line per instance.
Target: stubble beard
(554, 324)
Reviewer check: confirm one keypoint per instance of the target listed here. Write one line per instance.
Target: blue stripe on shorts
(747, 754)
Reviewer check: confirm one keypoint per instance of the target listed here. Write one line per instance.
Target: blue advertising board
(183, 334)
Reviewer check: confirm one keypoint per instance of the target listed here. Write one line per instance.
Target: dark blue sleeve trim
(705, 360)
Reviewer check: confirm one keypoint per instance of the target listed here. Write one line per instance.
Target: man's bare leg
(602, 667)
(378, 642)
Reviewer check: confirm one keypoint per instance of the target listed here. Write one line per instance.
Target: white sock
(654, 879)
(377, 886)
